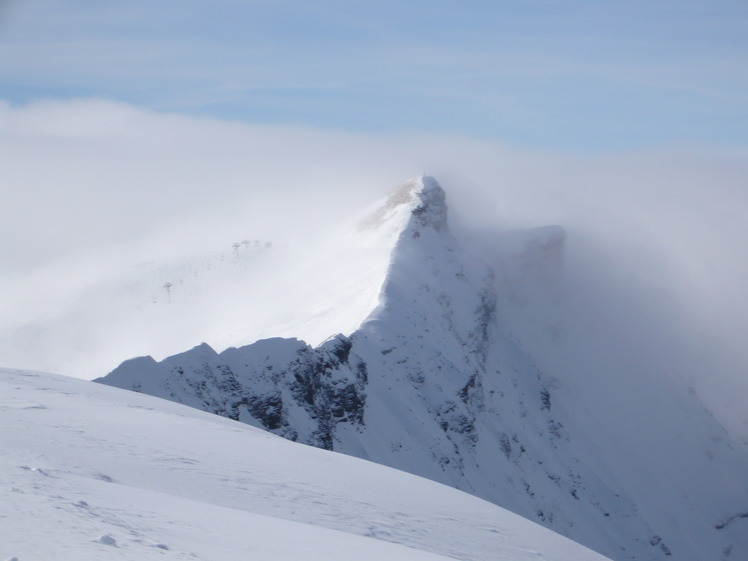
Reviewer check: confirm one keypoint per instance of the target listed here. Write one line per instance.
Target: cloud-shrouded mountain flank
(449, 363)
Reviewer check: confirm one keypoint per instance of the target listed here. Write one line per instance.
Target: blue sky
(575, 75)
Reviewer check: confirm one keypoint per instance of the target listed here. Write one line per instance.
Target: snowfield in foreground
(94, 472)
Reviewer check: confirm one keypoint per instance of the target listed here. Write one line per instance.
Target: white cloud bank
(656, 267)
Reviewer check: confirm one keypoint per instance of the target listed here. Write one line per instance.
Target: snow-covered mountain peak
(427, 377)
(418, 202)
(431, 209)
(242, 292)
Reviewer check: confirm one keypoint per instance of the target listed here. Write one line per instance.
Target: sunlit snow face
(91, 188)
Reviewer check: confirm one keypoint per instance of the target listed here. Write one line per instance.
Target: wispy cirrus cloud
(577, 74)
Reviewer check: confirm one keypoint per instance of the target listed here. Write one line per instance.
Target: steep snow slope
(433, 384)
(92, 472)
(252, 290)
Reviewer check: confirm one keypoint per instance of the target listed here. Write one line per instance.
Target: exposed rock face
(282, 385)
(431, 384)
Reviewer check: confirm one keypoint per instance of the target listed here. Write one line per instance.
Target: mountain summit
(424, 198)
(431, 382)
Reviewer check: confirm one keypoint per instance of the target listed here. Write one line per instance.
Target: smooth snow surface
(91, 472)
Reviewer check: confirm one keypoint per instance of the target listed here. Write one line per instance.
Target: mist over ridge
(92, 186)
(466, 371)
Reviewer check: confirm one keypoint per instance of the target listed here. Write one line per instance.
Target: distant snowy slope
(91, 472)
(248, 290)
(609, 452)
